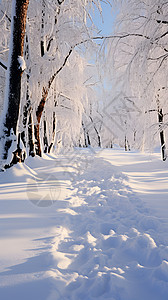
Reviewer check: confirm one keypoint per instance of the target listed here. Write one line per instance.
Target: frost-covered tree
(16, 67)
(55, 51)
(62, 41)
(137, 63)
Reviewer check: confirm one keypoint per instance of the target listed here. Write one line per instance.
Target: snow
(91, 224)
(22, 63)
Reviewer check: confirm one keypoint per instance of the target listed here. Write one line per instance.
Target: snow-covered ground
(86, 225)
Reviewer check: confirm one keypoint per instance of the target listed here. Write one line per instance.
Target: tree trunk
(53, 133)
(88, 138)
(162, 139)
(30, 136)
(85, 135)
(39, 112)
(16, 68)
(97, 132)
(27, 118)
(126, 144)
(160, 119)
(42, 43)
(45, 138)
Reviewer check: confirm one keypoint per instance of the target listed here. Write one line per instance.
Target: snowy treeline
(56, 75)
(60, 100)
(132, 108)
(136, 63)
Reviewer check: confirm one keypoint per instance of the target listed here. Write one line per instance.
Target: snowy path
(148, 177)
(98, 240)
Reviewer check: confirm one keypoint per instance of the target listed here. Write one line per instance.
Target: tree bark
(30, 136)
(162, 139)
(27, 109)
(53, 133)
(42, 43)
(85, 135)
(14, 74)
(97, 132)
(39, 112)
(45, 138)
(160, 120)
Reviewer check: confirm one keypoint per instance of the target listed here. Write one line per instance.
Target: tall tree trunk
(39, 112)
(16, 68)
(42, 43)
(53, 133)
(85, 135)
(160, 119)
(162, 139)
(97, 132)
(30, 136)
(26, 111)
(126, 144)
(27, 119)
(45, 138)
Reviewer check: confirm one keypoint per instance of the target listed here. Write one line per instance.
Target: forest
(83, 150)
(63, 84)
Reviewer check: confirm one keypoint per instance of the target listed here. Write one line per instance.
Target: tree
(137, 58)
(9, 137)
(56, 44)
(64, 39)
(55, 85)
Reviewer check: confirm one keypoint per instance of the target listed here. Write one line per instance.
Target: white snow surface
(22, 63)
(87, 225)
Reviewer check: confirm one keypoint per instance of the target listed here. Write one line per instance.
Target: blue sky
(106, 26)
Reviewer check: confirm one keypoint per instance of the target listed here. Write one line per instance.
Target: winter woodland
(63, 84)
(83, 135)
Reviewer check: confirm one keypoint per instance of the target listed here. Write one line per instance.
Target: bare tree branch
(3, 65)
